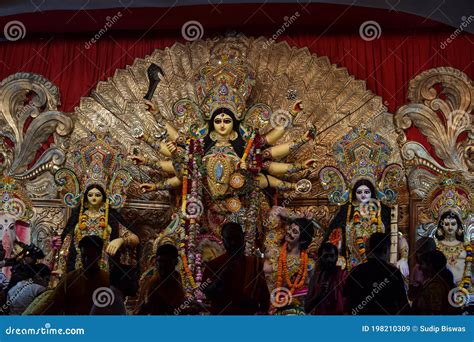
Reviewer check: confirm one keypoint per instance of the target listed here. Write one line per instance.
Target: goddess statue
(221, 164)
(95, 182)
(451, 205)
(366, 207)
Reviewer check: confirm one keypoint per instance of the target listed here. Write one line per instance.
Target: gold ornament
(233, 204)
(237, 180)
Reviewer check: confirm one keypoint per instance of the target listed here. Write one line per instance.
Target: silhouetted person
(422, 246)
(432, 299)
(325, 294)
(75, 293)
(25, 291)
(237, 283)
(164, 294)
(376, 287)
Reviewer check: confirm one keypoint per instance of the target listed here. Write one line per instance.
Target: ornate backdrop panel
(291, 80)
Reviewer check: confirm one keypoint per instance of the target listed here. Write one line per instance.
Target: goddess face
(223, 124)
(363, 194)
(292, 233)
(450, 225)
(94, 197)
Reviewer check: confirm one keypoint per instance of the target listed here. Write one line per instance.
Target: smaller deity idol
(362, 158)
(96, 214)
(450, 238)
(288, 267)
(449, 206)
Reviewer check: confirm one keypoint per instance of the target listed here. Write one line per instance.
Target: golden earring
(213, 135)
(234, 135)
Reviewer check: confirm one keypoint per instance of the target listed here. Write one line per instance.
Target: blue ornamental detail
(96, 168)
(223, 90)
(218, 171)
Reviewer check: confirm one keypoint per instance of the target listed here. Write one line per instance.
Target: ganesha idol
(15, 212)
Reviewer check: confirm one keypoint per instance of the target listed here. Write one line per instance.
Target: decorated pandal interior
(207, 178)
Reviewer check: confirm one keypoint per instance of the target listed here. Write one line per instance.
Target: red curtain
(386, 64)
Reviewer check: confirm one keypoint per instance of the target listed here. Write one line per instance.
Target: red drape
(386, 64)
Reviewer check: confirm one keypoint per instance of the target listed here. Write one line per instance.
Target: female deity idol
(362, 156)
(450, 205)
(221, 164)
(98, 160)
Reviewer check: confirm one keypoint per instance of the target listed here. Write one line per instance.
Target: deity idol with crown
(451, 205)
(221, 163)
(95, 183)
(363, 186)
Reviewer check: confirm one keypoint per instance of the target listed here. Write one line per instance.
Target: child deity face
(94, 197)
(363, 194)
(450, 225)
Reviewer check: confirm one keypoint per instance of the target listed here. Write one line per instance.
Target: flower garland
(191, 210)
(84, 228)
(375, 222)
(466, 279)
(283, 271)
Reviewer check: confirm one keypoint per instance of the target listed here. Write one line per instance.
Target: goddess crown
(97, 160)
(361, 154)
(451, 194)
